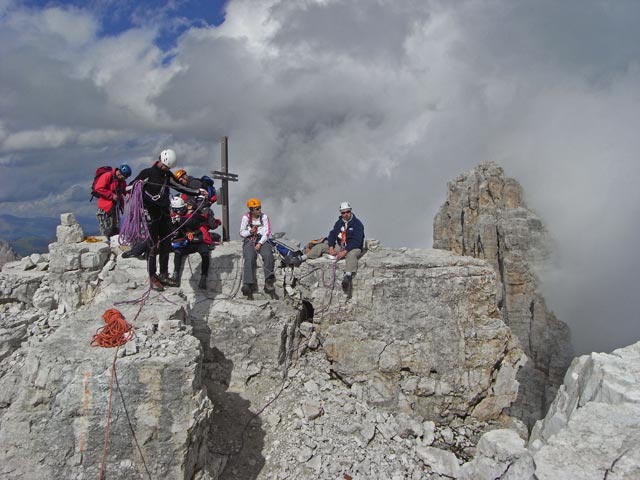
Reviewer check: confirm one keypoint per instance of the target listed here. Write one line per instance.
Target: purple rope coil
(134, 227)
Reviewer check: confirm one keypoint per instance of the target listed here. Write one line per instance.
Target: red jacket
(110, 190)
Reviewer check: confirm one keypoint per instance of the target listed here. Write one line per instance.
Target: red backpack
(99, 172)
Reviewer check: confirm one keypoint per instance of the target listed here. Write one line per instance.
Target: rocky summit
(411, 376)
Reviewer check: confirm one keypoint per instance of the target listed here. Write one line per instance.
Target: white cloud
(375, 102)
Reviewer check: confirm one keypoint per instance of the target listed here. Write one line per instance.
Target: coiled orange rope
(115, 333)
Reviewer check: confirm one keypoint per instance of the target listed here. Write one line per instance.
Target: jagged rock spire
(485, 216)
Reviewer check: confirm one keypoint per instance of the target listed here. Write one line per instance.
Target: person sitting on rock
(191, 236)
(203, 183)
(346, 240)
(255, 229)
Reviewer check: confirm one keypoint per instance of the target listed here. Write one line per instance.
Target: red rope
(115, 333)
(106, 431)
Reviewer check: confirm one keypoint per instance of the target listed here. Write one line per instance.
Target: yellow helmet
(180, 173)
(253, 203)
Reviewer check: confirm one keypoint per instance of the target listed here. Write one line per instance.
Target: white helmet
(345, 206)
(177, 203)
(168, 157)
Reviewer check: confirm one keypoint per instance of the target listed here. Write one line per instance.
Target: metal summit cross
(226, 177)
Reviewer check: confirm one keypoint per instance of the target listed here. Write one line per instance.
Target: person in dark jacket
(110, 188)
(345, 240)
(191, 236)
(158, 180)
(206, 208)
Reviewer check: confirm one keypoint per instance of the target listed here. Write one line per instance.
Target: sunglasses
(346, 211)
(253, 209)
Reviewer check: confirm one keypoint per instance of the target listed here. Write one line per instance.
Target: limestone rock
(500, 454)
(592, 429)
(57, 410)
(7, 254)
(485, 216)
(422, 332)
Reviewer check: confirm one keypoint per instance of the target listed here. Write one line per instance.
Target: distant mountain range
(27, 235)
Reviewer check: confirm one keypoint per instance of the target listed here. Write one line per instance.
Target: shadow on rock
(235, 431)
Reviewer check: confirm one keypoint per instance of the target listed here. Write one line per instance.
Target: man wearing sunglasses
(348, 236)
(347, 239)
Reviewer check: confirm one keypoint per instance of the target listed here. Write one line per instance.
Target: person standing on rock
(346, 240)
(158, 180)
(110, 189)
(255, 229)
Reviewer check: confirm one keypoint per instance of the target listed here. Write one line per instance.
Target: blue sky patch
(170, 18)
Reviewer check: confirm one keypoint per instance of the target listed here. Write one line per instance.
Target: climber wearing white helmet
(345, 240)
(158, 180)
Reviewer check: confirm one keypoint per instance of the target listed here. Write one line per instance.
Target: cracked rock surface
(485, 216)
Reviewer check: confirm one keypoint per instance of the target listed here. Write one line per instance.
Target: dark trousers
(180, 254)
(159, 239)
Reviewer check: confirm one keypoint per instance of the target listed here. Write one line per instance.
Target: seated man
(190, 237)
(346, 240)
(255, 229)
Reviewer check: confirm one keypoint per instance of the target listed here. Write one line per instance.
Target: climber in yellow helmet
(255, 229)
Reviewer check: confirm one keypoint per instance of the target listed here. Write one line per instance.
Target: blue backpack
(207, 183)
(289, 253)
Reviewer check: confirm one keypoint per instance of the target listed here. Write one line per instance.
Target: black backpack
(99, 172)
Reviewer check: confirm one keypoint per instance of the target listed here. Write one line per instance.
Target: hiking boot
(346, 283)
(156, 284)
(269, 285)
(127, 254)
(246, 290)
(167, 281)
(202, 284)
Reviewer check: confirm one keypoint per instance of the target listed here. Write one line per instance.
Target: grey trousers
(250, 261)
(351, 260)
(109, 222)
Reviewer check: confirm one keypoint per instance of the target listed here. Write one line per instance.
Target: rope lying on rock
(115, 333)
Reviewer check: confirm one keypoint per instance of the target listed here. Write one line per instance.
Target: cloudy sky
(379, 102)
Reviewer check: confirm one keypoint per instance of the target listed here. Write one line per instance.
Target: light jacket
(264, 228)
(355, 233)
